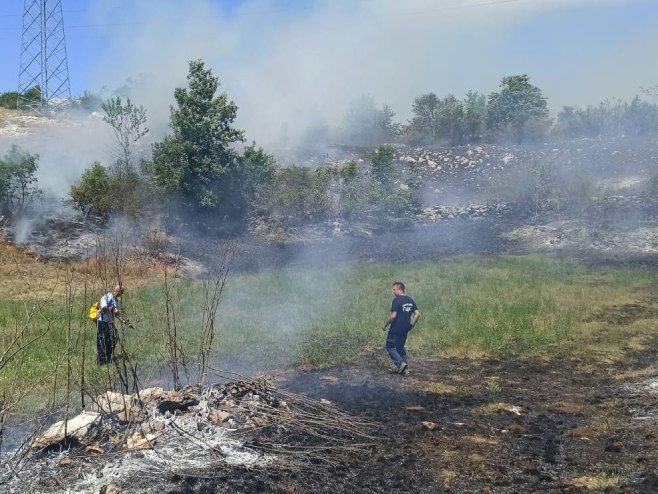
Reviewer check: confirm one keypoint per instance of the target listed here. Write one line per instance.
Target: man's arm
(108, 305)
(390, 320)
(415, 317)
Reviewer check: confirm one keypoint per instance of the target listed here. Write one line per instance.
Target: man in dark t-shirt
(404, 315)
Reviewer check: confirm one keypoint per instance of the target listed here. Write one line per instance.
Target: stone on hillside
(77, 428)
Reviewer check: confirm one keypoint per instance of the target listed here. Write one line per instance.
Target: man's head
(118, 291)
(398, 288)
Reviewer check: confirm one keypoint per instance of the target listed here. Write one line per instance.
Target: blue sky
(281, 58)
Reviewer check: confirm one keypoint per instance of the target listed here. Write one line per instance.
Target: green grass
(472, 307)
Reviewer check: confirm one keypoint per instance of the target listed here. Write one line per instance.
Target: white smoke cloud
(297, 64)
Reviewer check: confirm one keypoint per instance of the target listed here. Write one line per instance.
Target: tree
(367, 125)
(246, 176)
(450, 125)
(569, 123)
(641, 118)
(17, 180)
(475, 115)
(192, 161)
(128, 123)
(425, 109)
(518, 108)
(437, 120)
(93, 194)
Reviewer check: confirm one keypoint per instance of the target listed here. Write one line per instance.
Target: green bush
(9, 100)
(93, 194)
(102, 192)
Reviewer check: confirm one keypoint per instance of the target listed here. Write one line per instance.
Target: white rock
(77, 428)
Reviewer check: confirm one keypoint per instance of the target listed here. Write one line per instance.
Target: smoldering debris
(155, 433)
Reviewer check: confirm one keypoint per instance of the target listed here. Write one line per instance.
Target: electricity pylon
(43, 81)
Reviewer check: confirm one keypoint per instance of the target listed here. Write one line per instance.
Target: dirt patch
(624, 314)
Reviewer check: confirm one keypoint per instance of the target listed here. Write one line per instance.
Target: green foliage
(425, 110)
(192, 161)
(128, 123)
(367, 192)
(439, 120)
(475, 116)
(31, 97)
(102, 192)
(519, 110)
(298, 196)
(609, 118)
(9, 100)
(93, 194)
(247, 175)
(17, 180)
(366, 125)
(383, 167)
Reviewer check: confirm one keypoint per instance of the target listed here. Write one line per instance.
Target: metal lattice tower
(44, 64)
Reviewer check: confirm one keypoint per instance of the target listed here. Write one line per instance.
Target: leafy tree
(246, 175)
(641, 118)
(128, 123)
(192, 161)
(518, 108)
(450, 120)
(367, 125)
(94, 194)
(475, 115)
(609, 118)
(437, 120)
(569, 123)
(17, 180)
(425, 109)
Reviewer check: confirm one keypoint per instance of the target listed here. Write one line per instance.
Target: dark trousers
(105, 342)
(395, 341)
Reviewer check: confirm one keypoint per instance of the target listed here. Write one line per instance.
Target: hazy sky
(302, 61)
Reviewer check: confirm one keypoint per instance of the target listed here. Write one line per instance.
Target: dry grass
(596, 482)
(499, 407)
(24, 276)
(635, 374)
(584, 432)
(480, 440)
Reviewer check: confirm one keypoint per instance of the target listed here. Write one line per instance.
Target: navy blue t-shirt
(405, 307)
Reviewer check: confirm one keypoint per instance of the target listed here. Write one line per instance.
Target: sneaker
(402, 369)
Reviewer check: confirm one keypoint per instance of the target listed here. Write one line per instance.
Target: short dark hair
(400, 285)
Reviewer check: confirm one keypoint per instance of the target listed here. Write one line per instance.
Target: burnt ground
(584, 423)
(502, 426)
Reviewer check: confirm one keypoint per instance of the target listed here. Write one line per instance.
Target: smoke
(294, 67)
